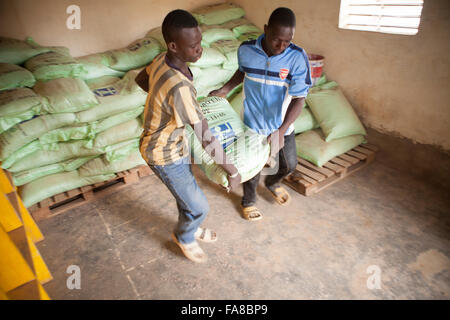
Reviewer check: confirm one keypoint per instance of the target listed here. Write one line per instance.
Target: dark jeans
(191, 202)
(286, 160)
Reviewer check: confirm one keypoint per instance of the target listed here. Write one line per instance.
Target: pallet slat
(341, 162)
(334, 167)
(62, 202)
(360, 156)
(326, 172)
(348, 158)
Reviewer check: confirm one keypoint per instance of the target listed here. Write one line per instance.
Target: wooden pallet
(308, 179)
(64, 201)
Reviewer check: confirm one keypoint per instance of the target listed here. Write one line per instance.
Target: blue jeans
(191, 202)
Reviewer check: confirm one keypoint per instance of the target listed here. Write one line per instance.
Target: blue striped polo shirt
(270, 83)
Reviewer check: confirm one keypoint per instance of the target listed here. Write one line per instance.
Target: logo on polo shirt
(283, 73)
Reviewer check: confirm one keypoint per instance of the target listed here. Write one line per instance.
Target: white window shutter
(387, 16)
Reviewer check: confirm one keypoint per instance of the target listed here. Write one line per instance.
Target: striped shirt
(171, 104)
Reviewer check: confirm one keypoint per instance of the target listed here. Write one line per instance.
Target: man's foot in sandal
(280, 195)
(205, 235)
(251, 213)
(192, 250)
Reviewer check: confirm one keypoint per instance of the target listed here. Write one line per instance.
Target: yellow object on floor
(22, 269)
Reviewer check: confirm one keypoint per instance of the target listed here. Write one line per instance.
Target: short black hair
(175, 21)
(282, 17)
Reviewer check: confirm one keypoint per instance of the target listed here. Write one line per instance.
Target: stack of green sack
(76, 132)
(327, 125)
(224, 28)
(68, 122)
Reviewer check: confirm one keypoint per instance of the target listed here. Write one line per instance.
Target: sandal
(192, 251)
(205, 235)
(280, 195)
(251, 213)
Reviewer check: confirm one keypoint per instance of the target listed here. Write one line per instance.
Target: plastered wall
(397, 84)
(105, 24)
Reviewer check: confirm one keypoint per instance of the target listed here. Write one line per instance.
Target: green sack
(121, 150)
(102, 166)
(249, 36)
(137, 54)
(229, 49)
(64, 151)
(75, 132)
(216, 34)
(305, 121)
(22, 134)
(124, 131)
(210, 57)
(218, 14)
(15, 102)
(210, 78)
(23, 177)
(54, 64)
(333, 112)
(65, 95)
(312, 146)
(227, 25)
(121, 96)
(156, 33)
(246, 149)
(96, 66)
(119, 118)
(21, 153)
(17, 51)
(9, 122)
(101, 82)
(246, 28)
(53, 184)
(17, 105)
(12, 76)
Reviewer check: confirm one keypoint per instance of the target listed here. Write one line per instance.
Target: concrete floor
(319, 247)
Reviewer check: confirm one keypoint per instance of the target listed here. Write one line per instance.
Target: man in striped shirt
(171, 105)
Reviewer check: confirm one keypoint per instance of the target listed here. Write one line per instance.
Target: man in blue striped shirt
(276, 79)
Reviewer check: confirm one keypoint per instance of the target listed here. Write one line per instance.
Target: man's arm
(236, 79)
(277, 138)
(213, 147)
(142, 80)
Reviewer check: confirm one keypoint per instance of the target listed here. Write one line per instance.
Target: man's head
(182, 35)
(279, 31)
